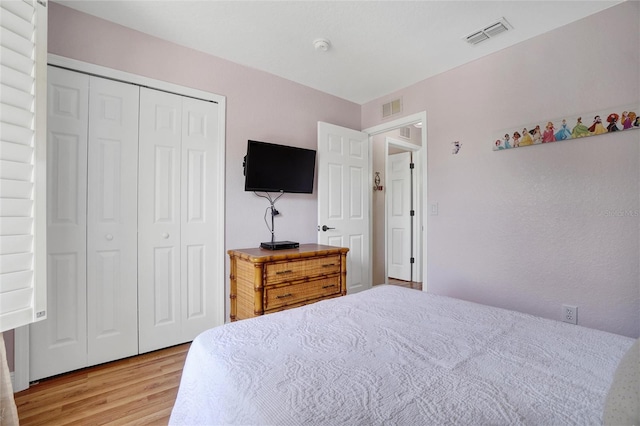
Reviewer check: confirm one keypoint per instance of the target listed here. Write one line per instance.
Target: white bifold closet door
(176, 204)
(92, 219)
(112, 221)
(59, 343)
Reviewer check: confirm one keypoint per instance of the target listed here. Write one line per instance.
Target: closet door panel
(198, 193)
(159, 220)
(112, 294)
(59, 344)
(164, 286)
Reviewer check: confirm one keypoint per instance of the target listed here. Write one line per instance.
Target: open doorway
(386, 140)
(402, 201)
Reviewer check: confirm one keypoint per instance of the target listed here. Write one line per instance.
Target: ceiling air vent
(495, 29)
(391, 108)
(489, 31)
(476, 38)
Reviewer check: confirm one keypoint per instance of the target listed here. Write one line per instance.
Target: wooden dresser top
(260, 255)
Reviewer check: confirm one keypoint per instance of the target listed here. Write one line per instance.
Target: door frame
(21, 334)
(418, 205)
(409, 120)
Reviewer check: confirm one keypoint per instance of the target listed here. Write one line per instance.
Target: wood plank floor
(409, 284)
(140, 390)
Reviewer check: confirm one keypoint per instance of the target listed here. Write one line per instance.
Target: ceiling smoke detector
(321, 44)
(489, 31)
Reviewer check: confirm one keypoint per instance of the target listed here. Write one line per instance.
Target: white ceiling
(377, 47)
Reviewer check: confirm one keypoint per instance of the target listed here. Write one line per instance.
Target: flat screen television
(279, 168)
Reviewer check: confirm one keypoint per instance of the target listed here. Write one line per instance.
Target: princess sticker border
(567, 128)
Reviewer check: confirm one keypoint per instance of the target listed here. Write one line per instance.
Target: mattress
(392, 355)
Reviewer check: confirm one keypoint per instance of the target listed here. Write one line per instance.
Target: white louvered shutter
(23, 50)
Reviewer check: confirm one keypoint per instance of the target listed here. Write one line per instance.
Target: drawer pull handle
(328, 286)
(288, 271)
(328, 265)
(282, 296)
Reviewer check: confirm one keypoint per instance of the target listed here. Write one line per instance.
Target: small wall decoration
(567, 128)
(376, 182)
(456, 147)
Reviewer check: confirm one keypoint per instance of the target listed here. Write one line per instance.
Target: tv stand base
(279, 245)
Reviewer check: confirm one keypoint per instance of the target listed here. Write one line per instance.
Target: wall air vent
(489, 31)
(391, 108)
(405, 132)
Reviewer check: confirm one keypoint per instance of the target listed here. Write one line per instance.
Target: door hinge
(412, 213)
(411, 165)
(412, 260)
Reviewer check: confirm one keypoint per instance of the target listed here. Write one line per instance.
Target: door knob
(109, 237)
(325, 228)
(165, 235)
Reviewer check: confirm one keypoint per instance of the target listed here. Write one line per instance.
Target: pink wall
(528, 229)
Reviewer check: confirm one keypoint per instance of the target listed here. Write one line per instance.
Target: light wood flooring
(408, 284)
(140, 390)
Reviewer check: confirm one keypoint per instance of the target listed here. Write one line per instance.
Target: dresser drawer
(276, 297)
(278, 272)
(265, 281)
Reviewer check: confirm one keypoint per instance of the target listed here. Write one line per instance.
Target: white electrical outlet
(570, 314)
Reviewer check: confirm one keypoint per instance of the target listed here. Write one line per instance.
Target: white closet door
(198, 218)
(159, 220)
(112, 293)
(59, 344)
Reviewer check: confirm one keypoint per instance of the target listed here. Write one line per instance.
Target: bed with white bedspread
(392, 355)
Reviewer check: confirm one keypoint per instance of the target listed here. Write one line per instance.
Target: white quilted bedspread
(396, 356)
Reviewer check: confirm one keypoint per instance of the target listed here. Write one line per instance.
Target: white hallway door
(343, 198)
(398, 216)
(178, 138)
(92, 160)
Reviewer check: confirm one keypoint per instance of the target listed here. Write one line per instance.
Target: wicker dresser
(265, 281)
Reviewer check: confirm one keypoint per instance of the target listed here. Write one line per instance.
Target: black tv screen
(278, 168)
